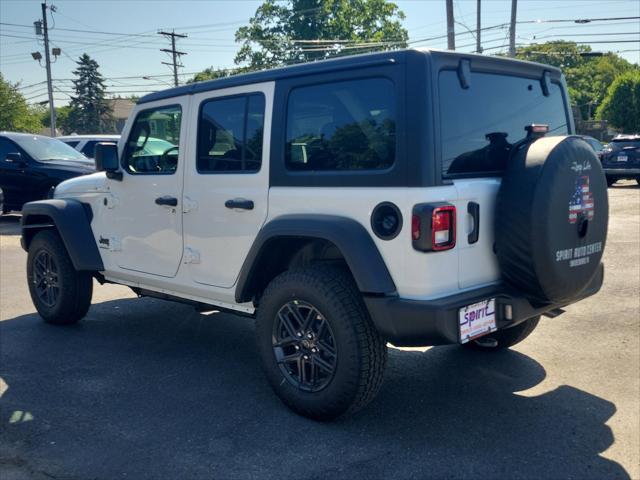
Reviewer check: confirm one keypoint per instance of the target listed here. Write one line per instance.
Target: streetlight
(36, 56)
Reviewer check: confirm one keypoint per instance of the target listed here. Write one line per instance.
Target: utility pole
(512, 29)
(478, 29)
(451, 37)
(175, 53)
(52, 110)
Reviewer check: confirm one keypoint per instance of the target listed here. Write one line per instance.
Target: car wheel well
(288, 253)
(33, 224)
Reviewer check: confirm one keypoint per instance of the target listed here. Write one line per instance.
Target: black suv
(621, 159)
(31, 164)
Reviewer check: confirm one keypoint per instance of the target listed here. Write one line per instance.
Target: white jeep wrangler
(411, 197)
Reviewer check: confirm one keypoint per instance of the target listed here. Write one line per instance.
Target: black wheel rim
(45, 278)
(304, 346)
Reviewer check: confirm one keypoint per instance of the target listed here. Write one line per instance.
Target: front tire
(319, 349)
(61, 294)
(504, 338)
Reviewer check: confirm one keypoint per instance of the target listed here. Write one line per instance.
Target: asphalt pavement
(146, 389)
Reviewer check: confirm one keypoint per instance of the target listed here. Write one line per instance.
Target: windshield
(479, 124)
(595, 144)
(45, 148)
(155, 146)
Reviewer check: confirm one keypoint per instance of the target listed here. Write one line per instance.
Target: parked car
(87, 143)
(595, 144)
(30, 165)
(621, 159)
(410, 197)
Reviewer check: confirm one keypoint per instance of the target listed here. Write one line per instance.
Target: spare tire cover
(551, 219)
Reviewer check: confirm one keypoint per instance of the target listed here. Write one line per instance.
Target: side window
(6, 147)
(230, 132)
(153, 144)
(348, 125)
(72, 143)
(88, 148)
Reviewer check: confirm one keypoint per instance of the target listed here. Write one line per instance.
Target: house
(121, 108)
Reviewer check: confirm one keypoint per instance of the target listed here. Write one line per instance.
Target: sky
(122, 35)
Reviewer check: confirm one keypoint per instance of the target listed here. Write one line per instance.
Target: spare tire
(551, 219)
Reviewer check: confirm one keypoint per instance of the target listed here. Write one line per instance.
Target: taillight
(415, 227)
(443, 228)
(433, 227)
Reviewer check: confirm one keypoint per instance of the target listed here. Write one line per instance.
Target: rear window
(348, 125)
(621, 144)
(481, 123)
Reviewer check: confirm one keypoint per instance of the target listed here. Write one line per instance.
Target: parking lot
(149, 389)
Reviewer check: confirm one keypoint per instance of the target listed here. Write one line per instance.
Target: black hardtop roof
(340, 63)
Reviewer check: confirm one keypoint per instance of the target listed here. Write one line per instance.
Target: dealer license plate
(477, 320)
(622, 158)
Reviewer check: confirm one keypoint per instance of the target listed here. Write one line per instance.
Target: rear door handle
(167, 201)
(473, 209)
(240, 203)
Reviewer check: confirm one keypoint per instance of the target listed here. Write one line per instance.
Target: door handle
(167, 201)
(473, 209)
(240, 203)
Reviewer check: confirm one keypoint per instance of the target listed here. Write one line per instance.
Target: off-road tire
(74, 288)
(506, 338)
(361, 352)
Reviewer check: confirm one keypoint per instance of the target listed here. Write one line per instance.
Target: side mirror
(15, 158)
(106, 158)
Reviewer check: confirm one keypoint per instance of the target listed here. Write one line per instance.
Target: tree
(621, 106)
(213, 74)
(15, 114)
(306, 30)
(588, 75)
(90, 111)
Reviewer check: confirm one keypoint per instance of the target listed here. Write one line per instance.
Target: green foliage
(213, 73)
(62, 113)
(15, 114)
(621, 106)
(304, 30)
(90, 111)
(588, 76)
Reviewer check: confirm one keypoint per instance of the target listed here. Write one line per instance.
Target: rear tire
(61, 294)
(504, 338)
(313, 321)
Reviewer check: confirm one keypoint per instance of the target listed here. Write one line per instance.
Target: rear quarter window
(481, 123)
(341, 126)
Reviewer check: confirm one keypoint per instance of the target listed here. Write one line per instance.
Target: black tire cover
(551, 221)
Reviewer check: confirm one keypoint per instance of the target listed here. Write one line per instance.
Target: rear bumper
(407, 323)
(622, 172)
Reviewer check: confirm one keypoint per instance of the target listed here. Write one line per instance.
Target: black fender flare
(72, 219)
(349, 236)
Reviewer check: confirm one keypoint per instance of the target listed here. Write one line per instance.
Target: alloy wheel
(304, 346)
